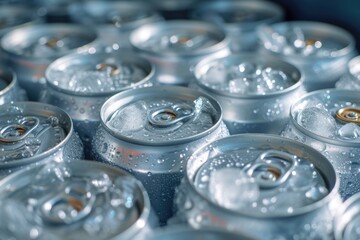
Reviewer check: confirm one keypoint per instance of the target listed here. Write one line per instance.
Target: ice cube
(216, 74)
(232, 188)
(274, 80)
(132, 117)
(90, 81)
(318, 121)
(50, 175)
(349, 131)
(100, 182)
(239, 85)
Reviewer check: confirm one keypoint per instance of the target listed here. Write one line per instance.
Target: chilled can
(10, 90)
(347, 221)
(351, 78)
(150, 132)
(320, 50)
(266, 186)
(74, 200)
(33, 133)
(80, 83)
(174, 47)
(328, 121)
(114, 20)
(240, 19)
(183, 232)
(30, 49)
(254, 91)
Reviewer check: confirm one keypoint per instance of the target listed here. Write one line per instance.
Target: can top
(330, 115)
(122, 15)
(306, 39)
(11, 16)
(178, 38)
(31, 131)
(100, 73)
(7, 80)
(246, 76)
(274, 176)
(165, 115)
(46, 40)
(78, 198)
(245, 15)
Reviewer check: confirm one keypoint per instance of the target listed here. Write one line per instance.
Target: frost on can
(30, 49)
(81, 83)
(114, 20)
(254, 91)
(74, 200)
(351, 78)
(182, 232)
(10, 90)
(267, 186)
(347, 219)
(240, 19)
(321, 51)
(174, 47)
(328, 121)
(31, 133)
(150, 132)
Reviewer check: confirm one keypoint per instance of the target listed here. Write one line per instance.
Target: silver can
(321, 51)
(347, 222)
(113, 20)
(74, 200)
(81, 83)
(10, 90)
(240, 19)
(351, 78)
(267, 186)
(150, 132)
(327, 120)
(30, 49)
(31, 133)
(174, 47)
(254, 91)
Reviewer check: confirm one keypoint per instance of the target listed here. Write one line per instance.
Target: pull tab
(52, 42)
(349, 115)
(187, 41)
(267, 174)
(68, 207)
(114, 70)
(18, 132)
(165, 117)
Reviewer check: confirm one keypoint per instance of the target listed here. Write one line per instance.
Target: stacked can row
(175, 138)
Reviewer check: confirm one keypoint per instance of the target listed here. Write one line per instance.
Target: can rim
(126, 97)
(80, 163)
(89, 58)
(78, 10)
(46, 110)
(143, 33)
(314, 26)
(297, 76)
(276, 12)
(298, 211)
(339, 92)
(24, 32)
(10, 78)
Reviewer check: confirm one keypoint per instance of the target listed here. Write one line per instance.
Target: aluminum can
(10, 90)
(254, 91)
(54, 11)
(351, 78)
(80, 83)
(346, 223)
(327, 120)
(182, 232)
(32, 133)
(174, 47)
(113, 20)
(74, 200)
(150, 132)
(321, 51)
(265, 185)
(29, 50)
(240, 19)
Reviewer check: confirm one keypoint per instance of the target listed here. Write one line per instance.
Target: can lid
(11, 16)
(31, 131)
(161, 115)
